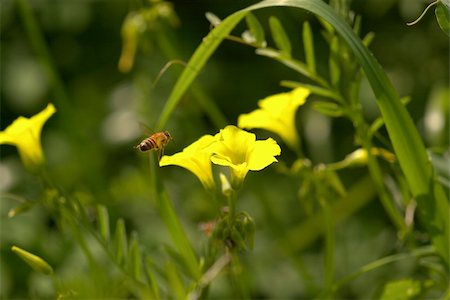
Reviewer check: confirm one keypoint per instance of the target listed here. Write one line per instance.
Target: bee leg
(160, 154)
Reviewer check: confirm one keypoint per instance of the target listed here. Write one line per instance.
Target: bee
(156, 141)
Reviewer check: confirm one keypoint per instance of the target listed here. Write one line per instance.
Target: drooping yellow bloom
(239, 150)
(277, 114)
(25, 134)
(195, 158)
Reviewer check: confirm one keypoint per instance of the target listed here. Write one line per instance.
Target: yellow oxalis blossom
(25, 134)
(195, 158)
(240, 151)
(277, 114)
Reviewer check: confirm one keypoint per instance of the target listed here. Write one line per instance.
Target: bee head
(167, 134)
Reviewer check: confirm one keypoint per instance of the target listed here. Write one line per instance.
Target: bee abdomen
(147, 144)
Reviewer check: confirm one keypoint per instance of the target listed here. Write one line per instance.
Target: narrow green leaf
(414, 254)
(357, 25)
(328, 108)
(121, 241)
(34, 261)
(176, 285)
(333, 62)
(103, 222)
(151, 280)
(256, 29)
(308, 44)
(198, 60)
(172, 222)
(134, 254)
(279, 36)
(442, 13)
(368, 38)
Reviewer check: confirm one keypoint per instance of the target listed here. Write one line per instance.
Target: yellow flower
(195, 158)
(25, 134)
(277, 114)
(239, 150)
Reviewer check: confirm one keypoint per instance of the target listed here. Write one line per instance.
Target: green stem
(424, 251)
(40, 48)
(386, 199)
(329, 243)
(237, 279)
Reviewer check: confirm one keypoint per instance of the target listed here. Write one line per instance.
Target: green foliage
(131, 234)
(442, 12)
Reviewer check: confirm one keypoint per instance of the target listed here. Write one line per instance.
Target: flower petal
(263, 154)
(25, 134)
(277, 114)
(195, 158)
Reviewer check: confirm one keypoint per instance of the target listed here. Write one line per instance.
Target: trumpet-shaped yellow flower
(25, 134)
(277, 114)
(195, 158)
(240, 151)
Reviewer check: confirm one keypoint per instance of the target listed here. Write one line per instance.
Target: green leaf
(151, 280)
(121, 241)
(442, 13)
(256, 29)
(333, 62)
(328, 108)
(135, 257)
(176, 285)
(368, 38)
(34, 261)
(308, 44)
(279, 36)
(401, 289)
(433, 205)
(172, 222)
(103, 222)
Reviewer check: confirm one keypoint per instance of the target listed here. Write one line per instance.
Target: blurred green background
(89, 142)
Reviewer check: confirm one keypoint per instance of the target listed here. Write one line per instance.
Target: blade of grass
(135, 257)
(120, 241)
(433, 205)
(172, 221)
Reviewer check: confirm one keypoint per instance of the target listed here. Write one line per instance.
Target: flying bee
(156, 141)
